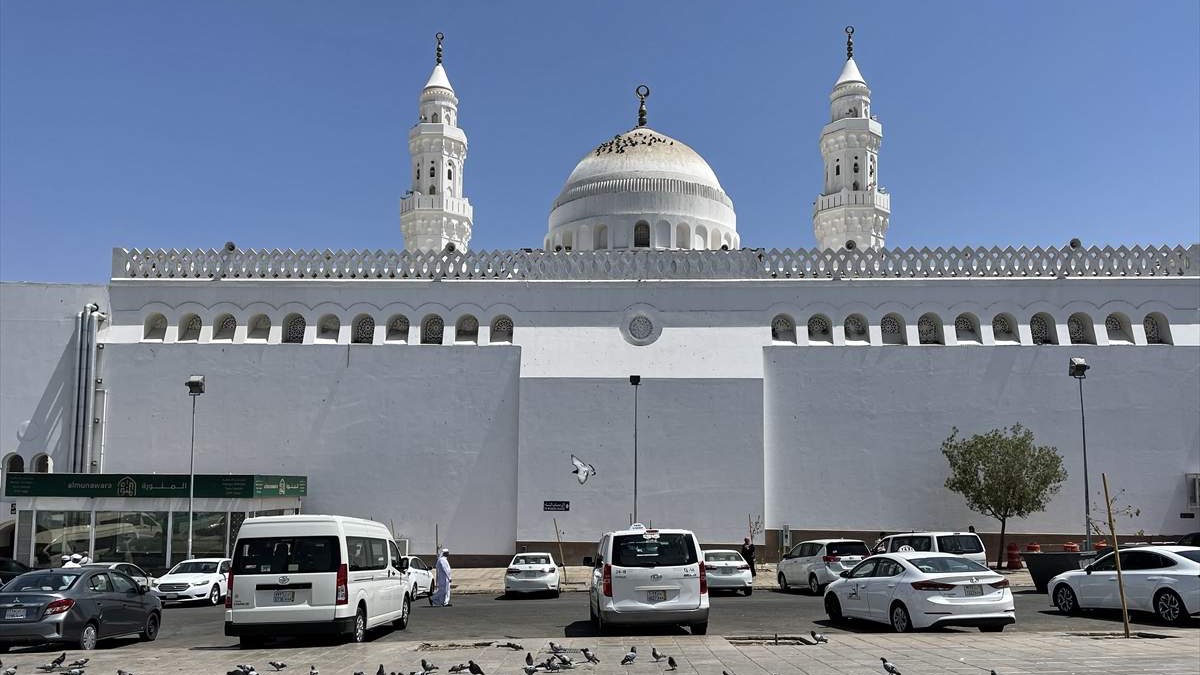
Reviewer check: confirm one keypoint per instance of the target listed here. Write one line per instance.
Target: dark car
(76, 606)
(10, 568)
(1192, 539)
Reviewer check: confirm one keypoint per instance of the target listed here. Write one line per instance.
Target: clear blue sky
(284, 124)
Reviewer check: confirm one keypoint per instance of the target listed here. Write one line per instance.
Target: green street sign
(149, 486)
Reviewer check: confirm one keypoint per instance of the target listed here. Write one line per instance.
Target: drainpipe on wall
(95, 316)
(80, 388)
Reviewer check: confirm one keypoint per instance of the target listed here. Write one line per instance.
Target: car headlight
(199, 583)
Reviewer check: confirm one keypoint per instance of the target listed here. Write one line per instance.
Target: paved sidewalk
(491, 579)
(846, 654)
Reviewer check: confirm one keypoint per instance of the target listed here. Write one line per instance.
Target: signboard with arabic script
(150, 486)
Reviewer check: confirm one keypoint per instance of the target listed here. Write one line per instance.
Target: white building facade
(808, 389)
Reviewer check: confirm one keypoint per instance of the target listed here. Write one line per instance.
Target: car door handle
(891, 585)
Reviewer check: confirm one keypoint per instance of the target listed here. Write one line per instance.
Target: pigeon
(671, 665)
(556, 648)
(11, 670)
(530, 670)
(279, 665)
(78, 663)
(887, 666)
(565, 661)
(123, 672)
(656, 655)
(628, 659)
(312, 670)
(587, 654)
(819, 637)
(726, 672)
(512, 645)
(75, 671)
(458, 668)
(383, 671)
(359, 672)
(528, 659)
(427, 666)
(551, 665)
(58, 660)
(475, 669)
(235, 671)
(582, 470)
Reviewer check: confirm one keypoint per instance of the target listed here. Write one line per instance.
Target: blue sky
(284, 124)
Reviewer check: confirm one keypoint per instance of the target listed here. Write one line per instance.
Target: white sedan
(420, 577)
(139, 575)
(531, 573)
(913, 589)
(728, 569)
(197, 579)
(1160, 579)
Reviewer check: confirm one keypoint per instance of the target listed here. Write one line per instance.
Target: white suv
(817, 563)
(965, 544)
(644, 576)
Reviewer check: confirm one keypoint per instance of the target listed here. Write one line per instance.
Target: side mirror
(1087, 570)
(143, 589)
(845, 574)
(403, 565)
(589, 561)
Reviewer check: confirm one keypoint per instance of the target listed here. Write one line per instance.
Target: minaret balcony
(453, 205)
(871, 197)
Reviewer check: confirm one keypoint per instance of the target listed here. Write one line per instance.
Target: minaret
(852, 211)
(435, 214)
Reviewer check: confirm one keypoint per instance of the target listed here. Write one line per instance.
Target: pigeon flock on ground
(558, 660)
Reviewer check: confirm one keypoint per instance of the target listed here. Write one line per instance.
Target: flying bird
(887, 666)
(475, 669)
(582, 469)
(587, 654)
(565, 660)
(671, 665)
(657, 655)
(280, 665)
(819, 637)
(628, 659)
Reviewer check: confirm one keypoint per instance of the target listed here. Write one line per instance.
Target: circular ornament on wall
(641, 326)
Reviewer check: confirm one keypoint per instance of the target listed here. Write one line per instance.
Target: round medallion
(641, 327)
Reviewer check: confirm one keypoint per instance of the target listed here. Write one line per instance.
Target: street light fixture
(195, 387)
(1078, 370)
(636, 381)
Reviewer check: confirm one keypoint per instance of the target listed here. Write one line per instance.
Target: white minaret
(435, 214)
(852, 211)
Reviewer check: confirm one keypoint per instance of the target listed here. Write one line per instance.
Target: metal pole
(192, 479)
(635, 451)
(1087, 494)
(1112, 529)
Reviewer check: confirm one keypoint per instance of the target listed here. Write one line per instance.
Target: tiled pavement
(923, 654)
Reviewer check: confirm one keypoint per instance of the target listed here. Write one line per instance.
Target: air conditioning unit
(1193, 483)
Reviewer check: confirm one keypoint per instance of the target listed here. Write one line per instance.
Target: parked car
(140, 576)
(75, 606)
(531, 573)
(912, 590)
(648, 576)
(420, 576)
(311, 574)
(817, 563)
(9, 569)
(1191, 539)
(727, 569)
(196, 579)
(1160, 579)
(966, 544)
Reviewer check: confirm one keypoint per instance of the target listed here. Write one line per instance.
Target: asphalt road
(476, 617)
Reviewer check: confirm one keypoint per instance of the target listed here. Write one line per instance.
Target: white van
(965, 544)
(310, 574)
(642, 576)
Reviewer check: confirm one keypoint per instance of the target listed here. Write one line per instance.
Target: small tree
(1002, 474)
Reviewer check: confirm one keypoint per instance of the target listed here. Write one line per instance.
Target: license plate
(726, 570)
(656, 596)
(285, 596)
(530, 575)
(14, 613)
(172, 596)
(973, 591)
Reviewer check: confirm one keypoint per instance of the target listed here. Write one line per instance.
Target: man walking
(748, 554)
(441, 597)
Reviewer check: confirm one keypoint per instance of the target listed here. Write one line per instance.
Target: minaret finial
(440, 36)
(849, 42)
(642, 92)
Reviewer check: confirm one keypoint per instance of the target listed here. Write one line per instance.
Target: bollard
(1071, 547)
(1014, 556)
(1033, 547)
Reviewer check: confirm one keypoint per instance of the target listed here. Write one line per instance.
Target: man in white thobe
(441, 597)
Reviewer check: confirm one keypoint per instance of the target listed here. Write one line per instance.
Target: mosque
(712, 383)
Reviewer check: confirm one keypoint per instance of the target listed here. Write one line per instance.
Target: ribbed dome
(642, 152)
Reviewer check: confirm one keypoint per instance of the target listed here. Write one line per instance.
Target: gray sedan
(76, 606)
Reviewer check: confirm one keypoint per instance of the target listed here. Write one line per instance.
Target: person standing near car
(748, 554)
(74, 561)
(441, 597)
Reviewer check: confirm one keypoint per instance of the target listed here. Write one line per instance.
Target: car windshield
(532, 560)
(281, 555)
(652, 549)
(960, 543)
(949, 564)
(44, 580)
(1194, 556)
(722, 556)
(194, 568)
(12, 566)
(843, 548)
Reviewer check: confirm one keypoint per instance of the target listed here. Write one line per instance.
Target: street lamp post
(1078, 370)
(195, 386)
(636, 381)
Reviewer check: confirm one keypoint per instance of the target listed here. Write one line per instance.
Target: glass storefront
(59, 533)
(209, 535)
(139, 537)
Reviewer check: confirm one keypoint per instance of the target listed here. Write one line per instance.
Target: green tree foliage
(1003, 474)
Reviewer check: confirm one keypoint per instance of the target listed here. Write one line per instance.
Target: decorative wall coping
(540, 265)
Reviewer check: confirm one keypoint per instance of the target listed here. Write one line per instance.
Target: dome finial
(440, 36)
(849, 42)
(642, 92)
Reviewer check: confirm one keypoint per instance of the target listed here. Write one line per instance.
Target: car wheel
(1168, 606)
(992, 629)
(88, 637)
(413, 594)
(748, 591)
(598, 623)
(555, 593)
(901, 621)
(814, 586)
(1064, 600)
(402, 622)
(150, 630)
(700, 628)
(783, 585)
(833, 608)
(360, 625)
(214, 596)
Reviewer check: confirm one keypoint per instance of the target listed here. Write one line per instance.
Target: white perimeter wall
(853, 435)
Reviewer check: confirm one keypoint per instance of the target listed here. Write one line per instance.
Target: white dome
(642, 176)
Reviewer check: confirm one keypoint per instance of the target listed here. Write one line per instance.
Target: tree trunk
(1001, 552)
